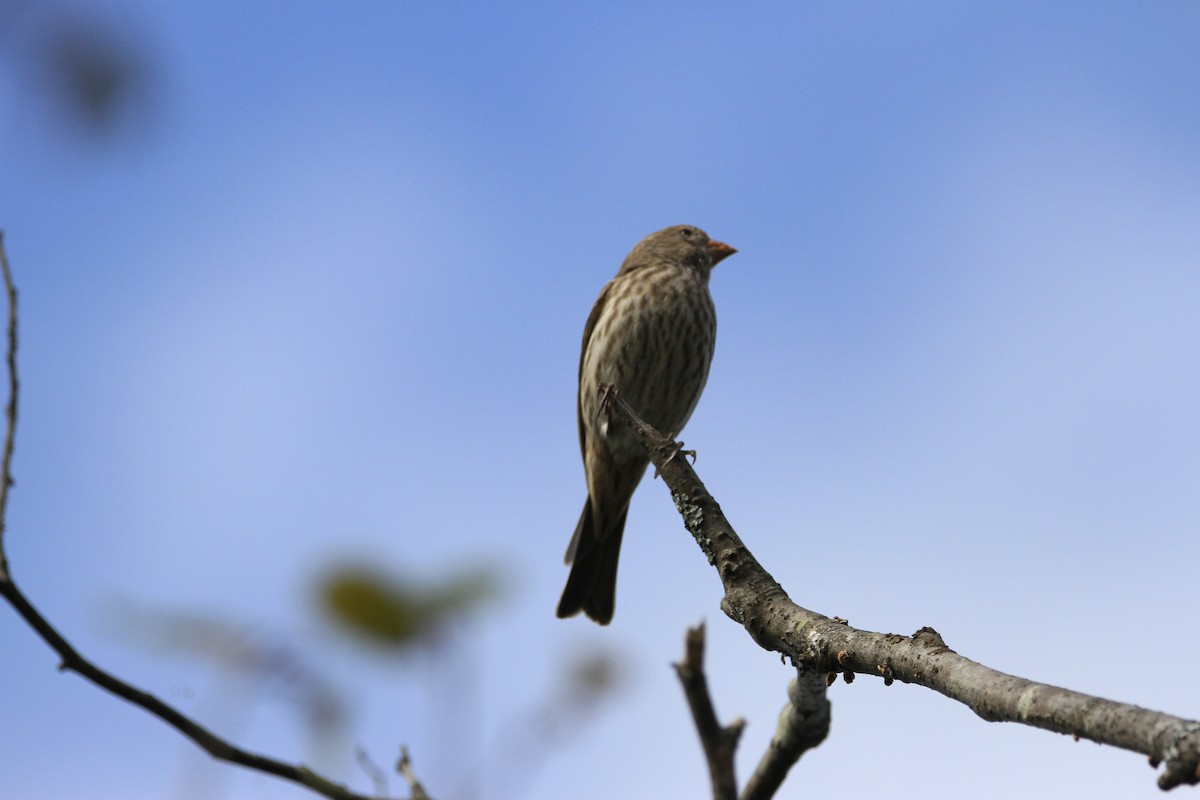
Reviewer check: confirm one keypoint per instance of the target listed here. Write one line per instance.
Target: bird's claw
(679, 451)
(676, 449)
(607, 392)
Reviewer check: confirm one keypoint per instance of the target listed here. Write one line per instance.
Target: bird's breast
(653, 340)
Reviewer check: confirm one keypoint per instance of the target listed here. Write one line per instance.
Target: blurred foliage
(593, 675)
(396, 612)
(85, 63)
(237, 649)
(95, 75)
(524, 743)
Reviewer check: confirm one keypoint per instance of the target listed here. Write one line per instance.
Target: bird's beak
(720, 251)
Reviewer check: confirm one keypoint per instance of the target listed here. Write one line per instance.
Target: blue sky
(320, 301)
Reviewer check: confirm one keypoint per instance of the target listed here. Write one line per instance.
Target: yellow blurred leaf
(391, 612)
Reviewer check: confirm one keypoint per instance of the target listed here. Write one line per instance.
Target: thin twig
(377, 775)
(405, 768)
(10, 410)
(825, 645)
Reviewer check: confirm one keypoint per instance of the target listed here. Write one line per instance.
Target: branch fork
(820, 646)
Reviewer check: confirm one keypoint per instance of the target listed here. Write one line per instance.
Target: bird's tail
(592, 584)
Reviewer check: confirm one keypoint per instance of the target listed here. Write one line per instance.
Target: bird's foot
(607, 392)
(676, 449)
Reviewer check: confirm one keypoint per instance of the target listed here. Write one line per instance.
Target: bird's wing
(588, 329)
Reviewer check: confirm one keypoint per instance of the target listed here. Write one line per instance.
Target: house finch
(650, 336)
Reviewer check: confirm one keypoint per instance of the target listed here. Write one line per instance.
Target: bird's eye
(687, 233)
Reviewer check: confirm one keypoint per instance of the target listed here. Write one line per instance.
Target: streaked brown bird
(650, 336)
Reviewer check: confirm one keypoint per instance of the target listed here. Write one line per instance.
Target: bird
(650, 336)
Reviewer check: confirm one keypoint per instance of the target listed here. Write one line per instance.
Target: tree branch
(826, 645)
(71, 659)
(719, 742)
(803, 724)
(405, 768)
(10, 410)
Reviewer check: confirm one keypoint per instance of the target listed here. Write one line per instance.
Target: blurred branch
(821, 644)
(71, 659)
(377, 775)
(803, 724)
(719, 742)
(405, 768)
(523, 743)
(270, 661)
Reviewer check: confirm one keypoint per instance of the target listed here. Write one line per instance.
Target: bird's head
(679, 244)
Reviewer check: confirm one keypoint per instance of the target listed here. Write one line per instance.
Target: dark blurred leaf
(91, 65)
(594, 675)
(95, 73)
